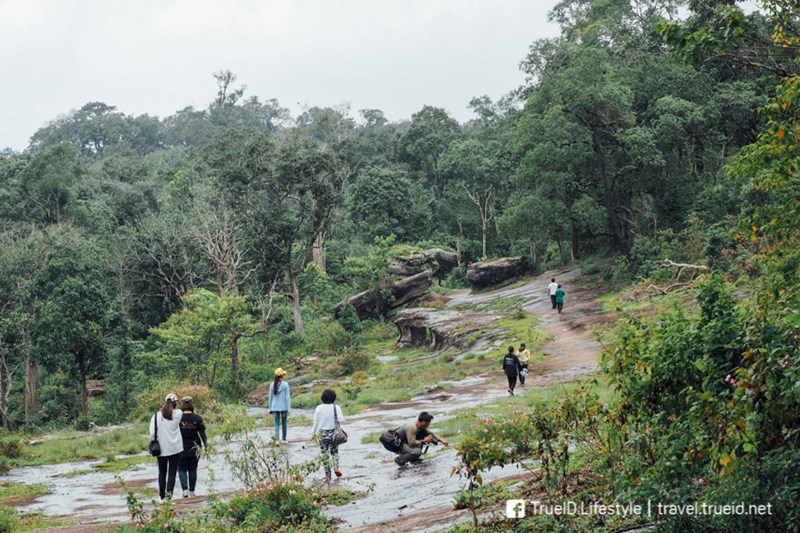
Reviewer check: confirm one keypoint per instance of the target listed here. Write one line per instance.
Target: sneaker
(186, 494)
(191, 494)
(398, 461)
(338, 472)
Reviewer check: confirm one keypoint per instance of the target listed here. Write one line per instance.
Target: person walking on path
(524, 355)
(325, 416)
(559, 298)
(552, 288)
(280, 404)
(193, 432)
(165, 427)
(511, 367)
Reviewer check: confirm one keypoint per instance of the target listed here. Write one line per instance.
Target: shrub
(353, 361)
(11, 446)
(8, 519)
(152, 399)
(275, 505)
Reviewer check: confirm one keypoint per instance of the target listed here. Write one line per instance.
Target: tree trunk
(532, 244)
(5, 389)
(295, 297)
(84, 389)
(573, 235)
(235, 357)
(318, 251)
(458, 242)
(484, 224)
(619, 236)
(30, 391)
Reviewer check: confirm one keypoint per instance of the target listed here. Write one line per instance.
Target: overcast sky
(157, 56)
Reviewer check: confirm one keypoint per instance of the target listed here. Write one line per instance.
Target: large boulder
(374, 303)
(440, 329)
(411, 264)
(494, 271)
(438, 261)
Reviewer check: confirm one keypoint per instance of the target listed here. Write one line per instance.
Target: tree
(198, 338)
(480, 170)
(73, 307)
(421, 146)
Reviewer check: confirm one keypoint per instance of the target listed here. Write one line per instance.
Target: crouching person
(415, 436)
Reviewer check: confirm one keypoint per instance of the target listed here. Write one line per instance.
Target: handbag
(155, 446)
(339, 436)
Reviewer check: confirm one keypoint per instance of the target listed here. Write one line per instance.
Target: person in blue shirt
(280, 404)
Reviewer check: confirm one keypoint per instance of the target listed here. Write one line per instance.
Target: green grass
(76, 446)
(116, 466)
(10, 491)
(496, 305)
(339, 496)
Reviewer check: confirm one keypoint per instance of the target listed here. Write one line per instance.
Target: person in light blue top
(280, 404)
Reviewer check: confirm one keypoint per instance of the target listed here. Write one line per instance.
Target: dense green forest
(138, 248)
(140, 253)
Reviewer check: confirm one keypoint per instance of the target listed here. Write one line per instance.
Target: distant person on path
(559, 298)
(280, 404)
(415, 435)
(552, 288)
(325, 416)
(524, 355)
(166, 424)
(511, 366)
(193, 432)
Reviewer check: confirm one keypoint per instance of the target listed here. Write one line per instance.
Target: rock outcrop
(440, 329)
(494, 271)
(374, 303)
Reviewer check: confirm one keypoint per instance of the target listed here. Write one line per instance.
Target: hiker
(511, 366)
(325, 417)
(280, 404)
(524, 355)
(414, 436)
(164, 427)
(552, 288)
(559, 298)
(193, 432)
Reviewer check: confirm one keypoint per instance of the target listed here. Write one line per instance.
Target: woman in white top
(168, 420)
(325, 417)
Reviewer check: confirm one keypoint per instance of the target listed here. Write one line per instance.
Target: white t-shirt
(553, 288)
(169, 432)
(324, 419)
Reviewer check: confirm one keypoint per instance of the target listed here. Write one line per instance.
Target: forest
(206, 248)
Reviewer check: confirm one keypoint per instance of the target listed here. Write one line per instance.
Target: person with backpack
(193, 432)
(524, 356)
(551, 289)
(414, 436)
(512, 367)
(165, 428)
(280, 404)
(325, 417)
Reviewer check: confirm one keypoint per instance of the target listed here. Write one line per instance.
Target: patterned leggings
(330, 451)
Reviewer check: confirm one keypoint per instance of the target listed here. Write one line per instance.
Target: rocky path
(413, 498)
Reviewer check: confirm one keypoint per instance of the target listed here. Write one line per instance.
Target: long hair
(275, 384)
(166, 411)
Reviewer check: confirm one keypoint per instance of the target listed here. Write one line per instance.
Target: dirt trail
(413, 498)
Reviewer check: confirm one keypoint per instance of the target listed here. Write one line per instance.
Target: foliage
(8, 519)
(275, 506)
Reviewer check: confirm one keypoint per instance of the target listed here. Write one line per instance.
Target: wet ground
(412, 498)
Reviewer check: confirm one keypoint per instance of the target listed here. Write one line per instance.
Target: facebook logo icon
(515, 508)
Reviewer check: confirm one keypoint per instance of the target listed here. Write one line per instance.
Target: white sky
(157, 56)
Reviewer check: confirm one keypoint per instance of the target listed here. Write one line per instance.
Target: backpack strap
(155, 421)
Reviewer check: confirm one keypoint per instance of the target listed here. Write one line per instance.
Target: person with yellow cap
(280, 404)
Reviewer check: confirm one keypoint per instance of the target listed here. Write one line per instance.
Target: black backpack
(392, 440)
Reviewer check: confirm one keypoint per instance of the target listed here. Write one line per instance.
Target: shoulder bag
(155, 447)
(339, 436)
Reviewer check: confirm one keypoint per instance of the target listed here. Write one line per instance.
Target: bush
(457, 278)
(8, 519)
(353, 361)
(348, 318)
(152, 399)
(274, 506)
(11, 446)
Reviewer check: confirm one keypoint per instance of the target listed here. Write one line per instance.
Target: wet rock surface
(410, 498)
